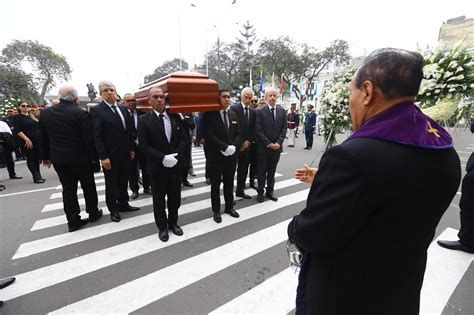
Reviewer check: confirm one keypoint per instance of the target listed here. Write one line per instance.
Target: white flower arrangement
(334, 110)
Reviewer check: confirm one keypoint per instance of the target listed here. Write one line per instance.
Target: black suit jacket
(155, 145)
(218, 138)
(111, 139)
(269, 131)
(66, 134)
(249, 128)
(370, 216)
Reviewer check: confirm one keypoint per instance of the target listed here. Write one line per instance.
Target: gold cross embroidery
(432, 130)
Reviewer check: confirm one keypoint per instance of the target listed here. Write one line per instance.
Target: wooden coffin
(185, 91)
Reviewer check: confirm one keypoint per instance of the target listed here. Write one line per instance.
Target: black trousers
(186, 163)
(466, 232)
(32, 158)
(7, 155)
(69, 175)
(134, 172)
(166, 183)
(222, 171)
(267, 164)
(242, 169)
(309, 137)
(253, 162)
(116, 194)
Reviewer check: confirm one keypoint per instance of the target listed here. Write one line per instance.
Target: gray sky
(122, 41)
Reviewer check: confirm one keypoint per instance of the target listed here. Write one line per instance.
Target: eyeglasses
(158, 97)
(254, 102)
(24, 105)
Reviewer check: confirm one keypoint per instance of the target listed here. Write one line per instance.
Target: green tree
(15, 83)
(284, 56)
(48, 66)
(166, 68)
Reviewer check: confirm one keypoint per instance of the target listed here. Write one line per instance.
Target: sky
(122, 41)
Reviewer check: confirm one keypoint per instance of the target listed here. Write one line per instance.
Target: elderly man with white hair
(67, 143)
(247, 116)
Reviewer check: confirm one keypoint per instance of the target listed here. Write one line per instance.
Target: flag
(315, 93)
(282, 84)
(261, 81)
(307, 88)
(291, 88)
(273, 79)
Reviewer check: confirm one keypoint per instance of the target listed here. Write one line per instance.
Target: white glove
(170, 160)
(229, 150)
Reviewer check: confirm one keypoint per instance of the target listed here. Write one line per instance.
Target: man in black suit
(163, 140)
(67, 142)
(271, 132)
(223, 137)
(247, 117)
(377, 198)
(133, 114)
(113, 141)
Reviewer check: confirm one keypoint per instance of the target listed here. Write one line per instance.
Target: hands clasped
(170, 160)
(229, 150)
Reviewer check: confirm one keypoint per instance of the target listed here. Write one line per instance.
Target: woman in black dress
(26, 128)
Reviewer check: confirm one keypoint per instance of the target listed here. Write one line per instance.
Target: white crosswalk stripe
(276, 294)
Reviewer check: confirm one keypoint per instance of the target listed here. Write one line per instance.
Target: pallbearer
(163, 141)
(223, 138)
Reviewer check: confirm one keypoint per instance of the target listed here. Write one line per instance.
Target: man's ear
(368, 92)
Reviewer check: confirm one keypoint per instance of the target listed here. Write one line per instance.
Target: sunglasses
(158, 97)
(23, 105)
(254, 102)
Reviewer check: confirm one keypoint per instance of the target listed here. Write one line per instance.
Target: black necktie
(247, 114)
(226, 124)
(273, 114)
(114, 108)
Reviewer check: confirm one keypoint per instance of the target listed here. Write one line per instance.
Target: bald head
(271, 96)
(68, 94)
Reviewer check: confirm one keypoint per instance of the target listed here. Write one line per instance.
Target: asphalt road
(239, 265)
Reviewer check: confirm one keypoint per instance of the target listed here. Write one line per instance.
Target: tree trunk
(44, 89)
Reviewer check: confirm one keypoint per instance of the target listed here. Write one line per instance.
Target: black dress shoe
(96, 216)
(163, 235)
(271, 197)
(242, 194)
(147, 191)
(5, 282)
(456, 245)
(77, 225)
(134, 195)
(260, 198)
(176, 229)
(217, 217)
(38, 181)
(187, 183)
(208, 181)
(232, 213)
(128, 208)
(115, 217)
(15, 177)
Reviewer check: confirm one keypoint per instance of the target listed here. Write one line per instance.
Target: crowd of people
(122, 140)
(374, 203)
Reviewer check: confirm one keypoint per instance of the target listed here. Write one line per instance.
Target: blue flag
(261, 81)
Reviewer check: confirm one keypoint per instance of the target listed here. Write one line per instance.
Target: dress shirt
(119, 112)
(166, 123)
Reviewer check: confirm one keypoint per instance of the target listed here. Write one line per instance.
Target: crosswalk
(121, 268)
